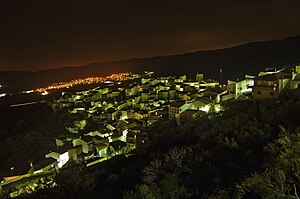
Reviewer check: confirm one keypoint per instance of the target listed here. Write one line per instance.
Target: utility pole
(221, 71)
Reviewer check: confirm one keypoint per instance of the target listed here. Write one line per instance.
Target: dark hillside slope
(236, 61)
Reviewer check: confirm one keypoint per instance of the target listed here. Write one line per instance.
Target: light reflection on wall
(63, 159)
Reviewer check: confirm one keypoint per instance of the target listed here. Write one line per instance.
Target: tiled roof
(44, 163)
(87, 139)
(190, 112)
(63, 149)
(270, 77)
(177, 104)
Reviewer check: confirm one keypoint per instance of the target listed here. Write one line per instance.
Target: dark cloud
(35, 35)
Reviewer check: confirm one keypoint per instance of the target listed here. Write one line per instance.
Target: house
(214, 94)
(269, 86)
(187, 88)
(122, 125)
(87, 156)
(99, 133)
(227, 96)
(120, 115)
(295, 83)
(203, 104)
(152, 119)
(131, 91)
(110, 113)
(136, 136)
(109, 127)
(209, 83)
(103, 91)
(101, 149)
(172, 94)
(78, 126)
(132, 123)
(85, 142)
(112, 94)
(161, 87)
(163, 94)
(190, 114)
(122, 106)
(60, 154)
(145, 96)
(194, 84)
(185, 97)
(74, 153)
(131, 138)
(199, 77)
(154, 82)
(179, 87)
(242, 87)
(176, 108)
(140, 114)
(59, 142)
(117, 147)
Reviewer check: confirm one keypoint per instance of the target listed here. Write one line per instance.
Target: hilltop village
(114, 118)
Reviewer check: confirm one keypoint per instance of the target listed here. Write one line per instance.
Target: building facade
(269, 86)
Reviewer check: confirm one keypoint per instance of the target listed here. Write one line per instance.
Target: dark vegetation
(235, 62)
(248, 151)
(28, 133)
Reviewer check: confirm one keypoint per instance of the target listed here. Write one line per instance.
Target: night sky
(37, 35)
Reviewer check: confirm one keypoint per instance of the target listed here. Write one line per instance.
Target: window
(271, 83)
(271, 93)
(259, 92)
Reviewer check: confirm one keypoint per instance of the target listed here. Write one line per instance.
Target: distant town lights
(45, 93)
(88, 80)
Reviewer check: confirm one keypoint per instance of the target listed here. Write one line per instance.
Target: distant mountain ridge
(235, 62)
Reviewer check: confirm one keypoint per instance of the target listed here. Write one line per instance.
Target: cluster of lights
(3, 94)
(88, 80)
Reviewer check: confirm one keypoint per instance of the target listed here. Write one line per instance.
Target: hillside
(235, 62)
(248, 151)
